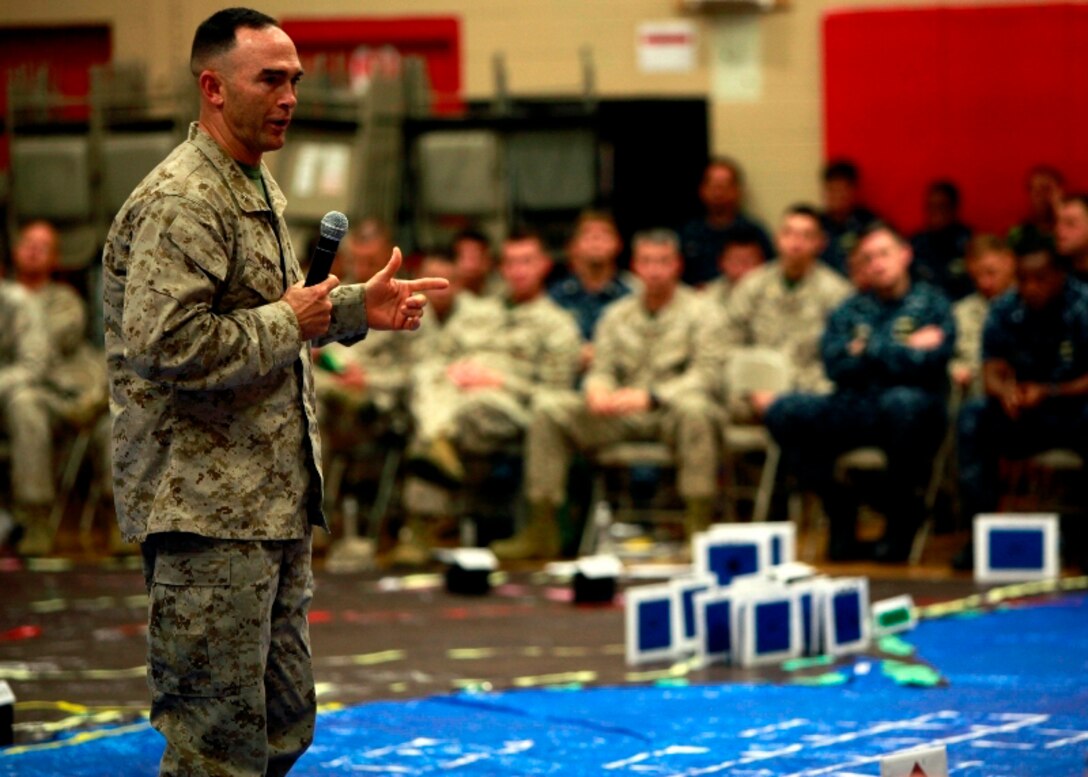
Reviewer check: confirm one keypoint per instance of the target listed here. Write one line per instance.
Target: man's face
(993, 272)
(36, 250)
(658, 266)
(840, 197)
(1043, 191)
(800, 241)
(473, 260)
(1039, 281)
(440, 300)
(739, 259)
(1071, 231)
(719, 190)
(595, 244)
(886, 260)
(367, 256)
(524, 267)
(259, 79)
(940, 211)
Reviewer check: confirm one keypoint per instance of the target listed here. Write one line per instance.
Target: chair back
(757, 368)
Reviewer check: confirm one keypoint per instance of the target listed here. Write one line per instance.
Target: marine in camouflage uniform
(25, 357)
(72, 393)
(782, 305)
(887, 351)
(644, 375)
(215, 432)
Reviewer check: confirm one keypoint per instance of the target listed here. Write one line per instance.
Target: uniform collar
(243, 189)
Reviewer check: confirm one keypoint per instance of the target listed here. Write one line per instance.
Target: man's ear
(211, 87)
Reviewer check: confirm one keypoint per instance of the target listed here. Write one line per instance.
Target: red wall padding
(977, 95)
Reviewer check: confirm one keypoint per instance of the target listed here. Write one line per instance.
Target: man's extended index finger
(427, 284)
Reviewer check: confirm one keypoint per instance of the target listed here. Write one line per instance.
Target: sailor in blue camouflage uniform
(1035, 373)
(887, 352)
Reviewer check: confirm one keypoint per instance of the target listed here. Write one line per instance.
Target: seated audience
(886, 350)
(782, 305)
(1045, 186)
(492, 362)
(722, 195)
(25, 359)
(1071, 234)
(1035, 373)
(595, 281)
(642, 385)
(363, 384)
(844, 216)
(940, 249)
(475, 265)
(991, 265)
(742, 252)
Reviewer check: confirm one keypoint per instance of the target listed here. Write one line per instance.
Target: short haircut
(804, 209)
(948, 189)
(371, 228)
(1080, 197)
(879, 225)
(216, 34)
(659, 236)
(1047, 170)
(472, 236)
(592, 216)
(730, 164)
(983, 244)
(743, 235)
(1033, 244)
(524, 232)
(841, 170)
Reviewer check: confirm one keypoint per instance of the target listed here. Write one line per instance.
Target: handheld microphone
(334, 225)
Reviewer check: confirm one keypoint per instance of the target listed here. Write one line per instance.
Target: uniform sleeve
(904, 365)
(349, 324)
(843, 368)
(66, 319)
(179, 263)
(604, 371)
(557, 365)
(32, 351)
(715, 340)
(997, 340)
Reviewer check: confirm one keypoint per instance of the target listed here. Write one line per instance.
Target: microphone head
(334, 225)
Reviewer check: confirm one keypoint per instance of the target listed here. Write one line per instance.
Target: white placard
(666, 46)
(1040, 529)
(921, 762)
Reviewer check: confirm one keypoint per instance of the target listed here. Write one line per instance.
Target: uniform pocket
(190, 617)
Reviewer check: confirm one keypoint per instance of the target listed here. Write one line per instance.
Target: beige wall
(777, 137)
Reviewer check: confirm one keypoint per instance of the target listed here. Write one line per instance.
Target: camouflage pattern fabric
(25, 357)
(970, 314)
(634, 349)
(211, 390)
(229, 662)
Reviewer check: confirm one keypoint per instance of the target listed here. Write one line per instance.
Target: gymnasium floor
(398, 658)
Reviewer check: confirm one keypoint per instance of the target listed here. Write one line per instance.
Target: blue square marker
(732, 560)
(848, 611)
(719, 627)
(773, 626)
(654, 628)
(1016, 549)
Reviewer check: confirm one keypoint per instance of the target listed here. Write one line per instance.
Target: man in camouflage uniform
(992, 267)
(642, 386)
(216, 446)
(24, 359)
(782, 305)
(493, 360)
(887, 351)
(73, 389)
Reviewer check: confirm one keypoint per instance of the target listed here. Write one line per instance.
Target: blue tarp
(1016, 703)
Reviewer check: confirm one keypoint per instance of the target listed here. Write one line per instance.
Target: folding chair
(753, 369)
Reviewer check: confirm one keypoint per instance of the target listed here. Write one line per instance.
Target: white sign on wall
(736, 59)
(666, 46)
